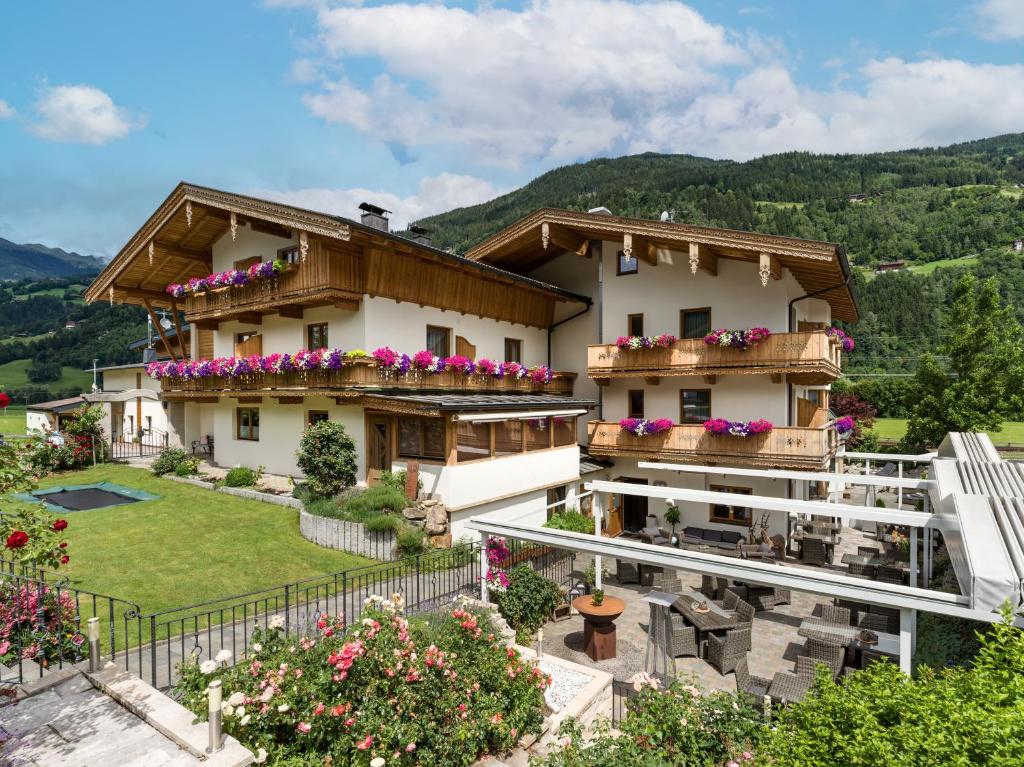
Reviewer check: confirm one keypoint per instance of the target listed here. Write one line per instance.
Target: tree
(327, 456)
(977, 391)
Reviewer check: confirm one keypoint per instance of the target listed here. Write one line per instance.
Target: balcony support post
(159, 329)
(177, 329)
(598, 504)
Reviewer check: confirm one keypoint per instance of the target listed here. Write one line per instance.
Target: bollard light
(92, 632)
(540, 643)
(215, 697)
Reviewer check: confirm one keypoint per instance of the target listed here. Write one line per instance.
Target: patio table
(816, 628)
(717, 618)
(864, 559)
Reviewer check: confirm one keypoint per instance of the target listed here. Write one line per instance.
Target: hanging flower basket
(844, 425)
(724, 428)
(845, 339)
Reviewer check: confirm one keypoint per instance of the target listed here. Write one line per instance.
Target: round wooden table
(599, 625)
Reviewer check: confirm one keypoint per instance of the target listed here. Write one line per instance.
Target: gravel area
(566, 684)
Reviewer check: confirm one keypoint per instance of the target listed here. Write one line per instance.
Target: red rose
(63, 544)
(17, 539)
(65, 559)
(60, 524)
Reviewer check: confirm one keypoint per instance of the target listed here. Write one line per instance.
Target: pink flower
(410, 748)
(303, 727)
(365, 744)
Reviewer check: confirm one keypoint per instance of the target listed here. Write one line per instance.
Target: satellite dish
(665, 216)
(165, 322)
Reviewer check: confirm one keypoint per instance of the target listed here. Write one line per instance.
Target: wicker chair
(828, 653)
(783, 596)
(792, 687)
(730, 600)
(892, 614)
(833, 614)
(864, 571)
(707, 586)
(721, 584)
(724, 652)
(745, 612)
(886, 574)
(684, 638)
(668, 581)
(867, 657)
(868, 551)
(874, 622)
(648, 573)
(627, 572)
(755, 686)
(812, 552)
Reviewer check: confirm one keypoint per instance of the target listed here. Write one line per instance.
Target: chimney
(419, 235)
(374, 216)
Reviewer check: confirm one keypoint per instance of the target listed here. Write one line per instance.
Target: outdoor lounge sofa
(722, 539)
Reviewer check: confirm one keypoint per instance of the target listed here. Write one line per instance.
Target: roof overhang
(121, 396)
(820, 267)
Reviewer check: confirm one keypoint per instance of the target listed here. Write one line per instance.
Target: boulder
(416, 512)
(437, 520)
(443, 541)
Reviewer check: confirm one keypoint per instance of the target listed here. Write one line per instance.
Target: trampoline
(88, 497)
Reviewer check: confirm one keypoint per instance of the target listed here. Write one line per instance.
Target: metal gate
(148, 442)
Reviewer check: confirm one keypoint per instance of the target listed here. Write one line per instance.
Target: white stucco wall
(133, 378)
(737, 398)
(246, 245)
(527, 508)
(37, 420)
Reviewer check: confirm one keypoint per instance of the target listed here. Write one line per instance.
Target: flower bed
(631, 343)
(443, 692)
(722, 427)
(737, 339)
(844, 338)
(390, 363)
(641, 427)
(232, 278)
(37, 624)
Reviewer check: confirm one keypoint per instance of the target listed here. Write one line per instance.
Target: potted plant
(672, 517)
(597, 597)
(590, 576)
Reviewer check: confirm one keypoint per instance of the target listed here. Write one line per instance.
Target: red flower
(17, 539)
(65, 559)
(60, 524)
(63, 544)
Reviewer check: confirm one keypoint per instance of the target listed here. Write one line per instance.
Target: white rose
(208, 666)
(240, 711)
(223, 656)
(377, 761)
(227, 709)
(282, 708)
(237, 698)
(276, 622)
(257, 647)
(261, 756)
(244, 720)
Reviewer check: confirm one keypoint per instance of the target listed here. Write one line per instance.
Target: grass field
(13, 375)
(23, 339)
(895, 428)
(189, 546)
(931, 266)
(12, 421)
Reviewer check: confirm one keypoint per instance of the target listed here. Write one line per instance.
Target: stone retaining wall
(343, 535)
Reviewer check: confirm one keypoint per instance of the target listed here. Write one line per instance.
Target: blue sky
(427, 106)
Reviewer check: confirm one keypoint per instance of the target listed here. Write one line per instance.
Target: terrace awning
(126, 395)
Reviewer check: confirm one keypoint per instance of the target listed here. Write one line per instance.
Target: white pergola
(977, 542)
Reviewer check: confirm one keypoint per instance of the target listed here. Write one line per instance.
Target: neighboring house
(48, 416)
(132, 404)
(555, 289)
(647, 278)
(1018, 246)
(481, 443)
(891, 266)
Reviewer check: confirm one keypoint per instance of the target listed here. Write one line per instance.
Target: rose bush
(438, 693)
(37, 624)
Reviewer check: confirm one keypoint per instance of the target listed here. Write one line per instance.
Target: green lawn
(931, 266)
(13, 376)
(12, 421)
(24, 339)
(189, 546)
(895, 428)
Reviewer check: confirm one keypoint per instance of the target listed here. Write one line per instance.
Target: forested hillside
(926, 207)
(38, 261)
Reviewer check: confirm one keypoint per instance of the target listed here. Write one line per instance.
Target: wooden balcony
(318, 281)
(361, 375)
(807, 358)
(791, 447)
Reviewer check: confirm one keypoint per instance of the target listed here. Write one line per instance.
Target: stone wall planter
(343, 535)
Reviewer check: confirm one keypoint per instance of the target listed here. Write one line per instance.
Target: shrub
(327, 456)
(571, 520)
(396, 480)
(241, 476)
(411, 540)
(187, 468)
(323, 507)
(383, 689)
(382, 523)
(30, 630)
(373, 501)
(529, 599)
(168, 461)
(678, 726)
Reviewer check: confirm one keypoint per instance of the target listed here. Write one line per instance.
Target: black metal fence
(149, 442)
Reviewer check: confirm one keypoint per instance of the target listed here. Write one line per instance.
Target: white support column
(899, 490)
(598, 506)
(484, 565)
(907, 619)
(913, 556)
(927, 556)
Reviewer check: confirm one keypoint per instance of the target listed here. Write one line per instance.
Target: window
(316, 416)
(247, 423)
(513, 350)
(556, 495)
(538, 433)
(439, 340)
(694, 323)
(473, 441)
(508, 438)
(421, 437)
(565, 430)
(316, 336)
(289, 255)
(731, 515)
(634, 325)
(635, 404)
(694, 405)
(149, 424)
(241, 338)
(625, 265)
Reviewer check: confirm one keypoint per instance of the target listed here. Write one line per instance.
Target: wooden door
(378, 447)
(613, 522)
(634, 507)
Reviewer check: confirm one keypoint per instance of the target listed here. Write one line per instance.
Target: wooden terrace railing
(812, 356)
(784, 446)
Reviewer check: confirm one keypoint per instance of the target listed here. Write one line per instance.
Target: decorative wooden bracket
(710, 379)
(303, 246)
(291, 312)
(234, 226)
(627, 246)
(768, 268)
(248, 399)
(653, 380)
(289, 400)
(602, 381)
(151, 251)
(564, 239)
(776, 378)
(188, 213)
(251, 318)
(702, 258)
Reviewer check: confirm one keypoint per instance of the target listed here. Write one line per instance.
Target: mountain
(38, 261)
(918, 205)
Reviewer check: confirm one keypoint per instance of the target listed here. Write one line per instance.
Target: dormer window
(289, 255)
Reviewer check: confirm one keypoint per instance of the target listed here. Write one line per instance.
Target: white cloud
(1001, 19)
(561, 80)
(6, 110)
(81, 114)
(435, 194)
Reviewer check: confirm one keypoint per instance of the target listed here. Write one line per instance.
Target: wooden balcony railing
(358, 375)
(318, 281)
(808, 357)
(787, 446)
